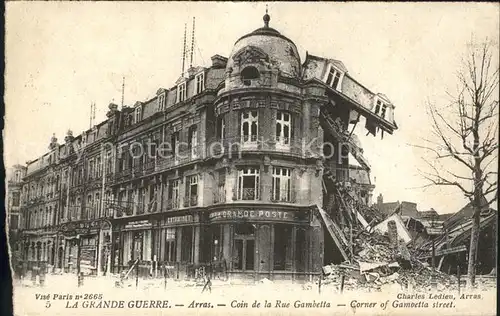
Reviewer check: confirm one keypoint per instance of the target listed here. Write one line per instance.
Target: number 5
(47, 305)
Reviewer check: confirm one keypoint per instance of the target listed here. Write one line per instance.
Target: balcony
(149, 167)
(139, 209)
(160, 163)
(181, 157)
(249, 194)
(110, 177)
(235, 145)
(119, 208)
(172, 204)
(152, 207)
(138, 171)
(123, 175)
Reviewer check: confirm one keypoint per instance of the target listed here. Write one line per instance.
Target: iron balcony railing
(283, 195)
(191, 201)
(172, 204)
(248, 194)
(162, 161)
(235, 145)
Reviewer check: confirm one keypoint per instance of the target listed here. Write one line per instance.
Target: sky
(62, 56)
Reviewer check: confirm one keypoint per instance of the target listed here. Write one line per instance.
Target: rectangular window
(98, 166)
(378, 105)
(90, 174)
(97, 203)
(248, 184)
(153, 149)
(220, 194)
(334, 78)
(89, 207)
(174, 141)
(200, 82)
(283, 128)
(384, 109)
(152, 194)
(138, 114)
(181, 92)
(13, 222)
(281, 184)
(170, 245)
(249, 126)
(187, 244)
(16, 197)
(192, 191)
(141, 201)
(282, 247)
(173, 194)
(109, 162)
(221, 126)
(161, 102)
(193, 141)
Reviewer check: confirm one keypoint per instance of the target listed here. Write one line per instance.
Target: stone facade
(220, 170)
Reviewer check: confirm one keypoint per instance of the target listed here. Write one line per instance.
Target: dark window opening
(187, 244)
(220, 128)
(377, 107)
(300, 250)
(248, 74)
(384, 109)
(170, 245)
(174, 141)
(16, 196)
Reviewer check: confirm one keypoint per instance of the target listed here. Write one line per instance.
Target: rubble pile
(376, 263)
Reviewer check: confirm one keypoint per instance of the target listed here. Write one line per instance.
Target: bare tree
(464, 144)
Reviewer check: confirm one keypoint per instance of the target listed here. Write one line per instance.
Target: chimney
(380, 199)
(218, 61)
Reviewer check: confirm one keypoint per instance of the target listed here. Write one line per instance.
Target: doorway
(244, 247)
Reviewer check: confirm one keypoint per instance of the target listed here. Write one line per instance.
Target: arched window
(248, 74)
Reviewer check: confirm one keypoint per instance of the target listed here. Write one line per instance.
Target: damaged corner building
(246, 187)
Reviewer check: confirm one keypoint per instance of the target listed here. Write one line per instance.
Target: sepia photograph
(251, 158)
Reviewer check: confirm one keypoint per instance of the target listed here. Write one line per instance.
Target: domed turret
(267, 46)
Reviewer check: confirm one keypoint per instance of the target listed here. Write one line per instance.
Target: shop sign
(178, 220)
(138, 224)
(83, 227)
(254, 215)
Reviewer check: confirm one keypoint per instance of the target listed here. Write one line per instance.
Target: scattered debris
(265, 281)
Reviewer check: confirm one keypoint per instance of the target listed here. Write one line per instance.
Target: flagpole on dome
(266, 18)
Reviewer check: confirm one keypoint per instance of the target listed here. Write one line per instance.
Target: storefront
(79, 247)
(159, 242)
(264, 243)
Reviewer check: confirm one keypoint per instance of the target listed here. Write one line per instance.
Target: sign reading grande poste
(254, 215)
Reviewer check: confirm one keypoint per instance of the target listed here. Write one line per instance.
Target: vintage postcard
(221, 158)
